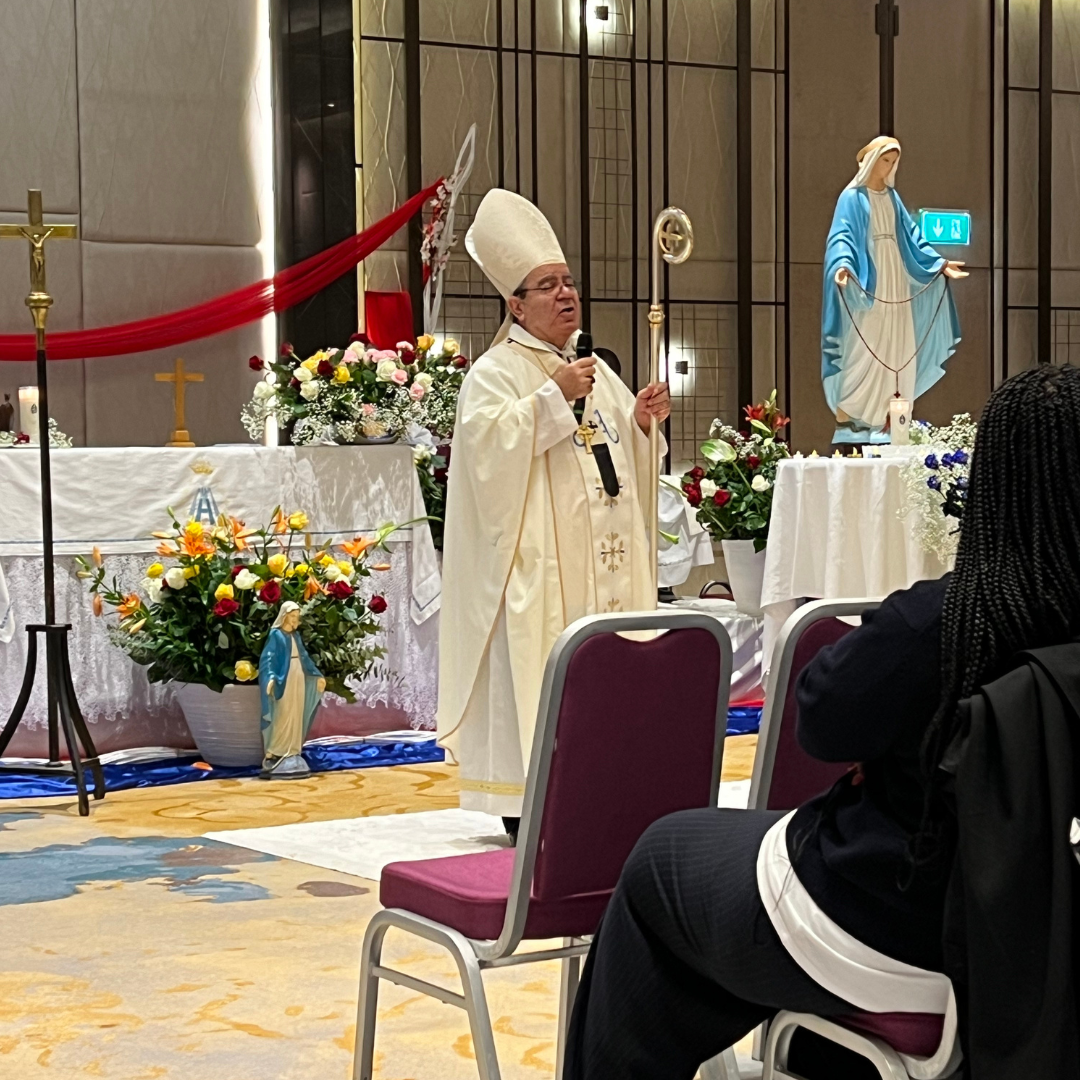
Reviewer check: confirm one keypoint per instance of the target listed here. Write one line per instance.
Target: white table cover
(115, 498)
(836, 532)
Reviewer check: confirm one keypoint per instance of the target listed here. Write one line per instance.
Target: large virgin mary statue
(888, 322)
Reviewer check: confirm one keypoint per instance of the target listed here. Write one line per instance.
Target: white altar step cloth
(115, 498)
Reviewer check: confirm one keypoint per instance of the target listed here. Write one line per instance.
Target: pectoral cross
(181, 436)
(37, 232)
(587, 432)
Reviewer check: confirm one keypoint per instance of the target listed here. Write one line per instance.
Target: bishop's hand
(952, 270)
(575, 380)
(653, 400)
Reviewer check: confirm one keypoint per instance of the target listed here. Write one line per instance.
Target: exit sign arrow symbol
(937, 227)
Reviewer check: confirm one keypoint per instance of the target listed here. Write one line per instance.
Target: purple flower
(961, 483)
(934, 483)
(960, 457)
(931, 461)
(947, 461)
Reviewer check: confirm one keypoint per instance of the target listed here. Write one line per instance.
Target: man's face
(547, 304)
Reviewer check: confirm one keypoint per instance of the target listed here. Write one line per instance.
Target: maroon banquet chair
(627, 731)
(901, 1046)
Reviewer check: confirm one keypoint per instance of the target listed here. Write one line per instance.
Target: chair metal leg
(569, 977)
(370, 958)
(483, 1037)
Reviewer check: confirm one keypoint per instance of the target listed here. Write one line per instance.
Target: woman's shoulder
(920, 606)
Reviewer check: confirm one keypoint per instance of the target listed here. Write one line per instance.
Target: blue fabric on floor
(743, 719)
(321, 758)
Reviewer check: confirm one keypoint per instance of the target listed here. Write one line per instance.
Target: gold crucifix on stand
(180, 436)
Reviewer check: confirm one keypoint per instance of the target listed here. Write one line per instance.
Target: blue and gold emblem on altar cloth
(204, 507)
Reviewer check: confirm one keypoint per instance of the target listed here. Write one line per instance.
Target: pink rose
(354, 353)
(385, 354)
(367, 409)
(416, 391)
(401, 376)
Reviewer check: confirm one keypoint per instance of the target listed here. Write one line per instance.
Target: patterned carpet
(134, 949)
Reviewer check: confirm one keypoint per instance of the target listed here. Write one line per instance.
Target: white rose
(263, 391)
(302, 375)
(708, 489)
(424, 380)
(421, 455)
(759, 483)
(310, 390)
(245, 579)
(332, 572)
(152, 588)
(174, 577)
(385, 369)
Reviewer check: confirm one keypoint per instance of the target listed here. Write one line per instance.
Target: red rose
(753, 461)
(224, 608)
(722, 497)
(408, 355)
(340, 590)
(294, 383)
(377, 605)
(255, 363)
(270, 593)
(286, 349)
(697, 473)
(236, 569)
(22, 437)
(362, 338)
(461, 361)
(692, 493)
(325, 367)
(440, 476)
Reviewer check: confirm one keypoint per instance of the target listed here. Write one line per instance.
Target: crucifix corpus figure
(180, 435)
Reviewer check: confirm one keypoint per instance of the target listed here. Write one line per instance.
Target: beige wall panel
(701, 31)
(167, 104)
(382, 18)
(812, 425)
(121, 282)
(943, 114)
(1065, 235)
(557, 126)
(39, 141)
(471, 23)
(383, 102)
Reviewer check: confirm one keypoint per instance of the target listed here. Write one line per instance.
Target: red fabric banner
(285, 289)
(388, 318)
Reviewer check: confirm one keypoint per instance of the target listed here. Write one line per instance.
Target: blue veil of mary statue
(889, 330)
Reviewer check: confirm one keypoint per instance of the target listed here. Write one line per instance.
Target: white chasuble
(532, 542)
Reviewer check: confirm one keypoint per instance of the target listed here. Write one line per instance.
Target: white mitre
(508, 239)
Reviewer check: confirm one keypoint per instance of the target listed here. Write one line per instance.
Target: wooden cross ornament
(180, 435)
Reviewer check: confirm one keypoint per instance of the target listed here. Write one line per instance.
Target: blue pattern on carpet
(321, 758)
(196, 868)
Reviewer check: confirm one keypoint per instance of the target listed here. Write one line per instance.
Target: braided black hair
(1016, 584)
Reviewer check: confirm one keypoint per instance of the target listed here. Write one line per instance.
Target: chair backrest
(785, 776)
(628, 731)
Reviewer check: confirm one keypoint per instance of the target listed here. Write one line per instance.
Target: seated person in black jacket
(689, 958)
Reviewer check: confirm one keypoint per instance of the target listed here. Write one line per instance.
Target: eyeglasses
(549, 287)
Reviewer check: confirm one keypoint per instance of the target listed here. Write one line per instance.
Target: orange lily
(235, 532)
(96, 555)
(167, 548)
(194, 541)
(381, 566)
(98, 606)
(311, 588)
(281, 521)
(129, 606)
(357, 547)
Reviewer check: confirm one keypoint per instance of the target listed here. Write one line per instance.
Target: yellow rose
(326, 559)
(245, 671)
(311, 363)
(278, 563)
(341, 374)
(155, 570)
(302, 568)
(424, 342)
(346, 567)
(223, 592)
(193, 528)
(450, 347)
(190, 572)
(298, 521)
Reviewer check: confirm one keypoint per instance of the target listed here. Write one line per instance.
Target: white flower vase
(226, 727)
(745, 573)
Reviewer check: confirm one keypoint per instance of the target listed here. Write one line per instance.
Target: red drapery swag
(285, 289)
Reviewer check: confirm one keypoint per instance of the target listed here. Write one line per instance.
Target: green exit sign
(946, 226)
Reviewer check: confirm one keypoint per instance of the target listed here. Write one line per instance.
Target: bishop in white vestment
(533, 540)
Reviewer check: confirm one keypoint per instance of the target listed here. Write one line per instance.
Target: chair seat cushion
(916, 1034)
(469, 893)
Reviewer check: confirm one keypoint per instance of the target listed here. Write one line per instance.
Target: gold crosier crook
(672, 242)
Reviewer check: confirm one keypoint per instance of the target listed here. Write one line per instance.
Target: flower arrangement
(57, 439)
(733, 494)
(936, 483)
(352, 394)
(205, 618)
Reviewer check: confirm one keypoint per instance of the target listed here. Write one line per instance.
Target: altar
(115, 498)
(837, 531)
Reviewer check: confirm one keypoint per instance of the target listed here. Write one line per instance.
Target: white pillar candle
(28, 413)
(899, 422)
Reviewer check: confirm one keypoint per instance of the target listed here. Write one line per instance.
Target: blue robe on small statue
(292, 688)
(888, 331)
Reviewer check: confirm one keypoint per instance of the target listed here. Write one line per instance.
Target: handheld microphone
(584, 350)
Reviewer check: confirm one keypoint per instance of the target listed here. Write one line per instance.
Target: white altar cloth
(836, 532)
(115, 498)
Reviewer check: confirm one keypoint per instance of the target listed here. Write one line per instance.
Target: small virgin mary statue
(888, 322)
(292, 687)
